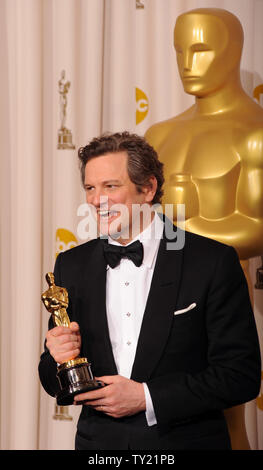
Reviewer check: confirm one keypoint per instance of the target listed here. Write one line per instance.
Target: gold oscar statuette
(75, 375)
(139, 4)
(64, 134)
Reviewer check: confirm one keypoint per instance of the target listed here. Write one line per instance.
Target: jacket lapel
(95, 317)
(158, 314)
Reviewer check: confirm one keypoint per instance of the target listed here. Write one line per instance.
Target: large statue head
(208, 44)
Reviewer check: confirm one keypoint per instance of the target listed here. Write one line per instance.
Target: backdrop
(72, 69)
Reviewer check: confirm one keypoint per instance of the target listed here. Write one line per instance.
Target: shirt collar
(150, 238)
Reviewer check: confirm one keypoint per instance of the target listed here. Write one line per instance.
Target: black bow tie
(114, 253)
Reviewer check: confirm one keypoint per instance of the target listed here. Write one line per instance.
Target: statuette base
(75, 377)
(65, 139)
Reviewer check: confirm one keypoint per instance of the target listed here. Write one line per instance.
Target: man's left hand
(120, 397)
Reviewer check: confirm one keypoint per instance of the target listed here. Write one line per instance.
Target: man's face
(200, 42)
(107, 184)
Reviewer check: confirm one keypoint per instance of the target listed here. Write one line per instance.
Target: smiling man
(116, 199)
(171, 333)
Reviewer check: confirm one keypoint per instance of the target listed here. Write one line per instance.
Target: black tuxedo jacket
(196, 363)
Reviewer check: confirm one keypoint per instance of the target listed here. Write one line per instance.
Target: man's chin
(113, 232)
(109, 230)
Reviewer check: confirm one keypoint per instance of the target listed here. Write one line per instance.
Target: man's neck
(129, 236)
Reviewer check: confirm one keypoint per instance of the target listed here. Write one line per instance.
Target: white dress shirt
(127, 289)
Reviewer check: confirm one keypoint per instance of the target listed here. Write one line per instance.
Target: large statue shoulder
(252, 146)
(159, 132)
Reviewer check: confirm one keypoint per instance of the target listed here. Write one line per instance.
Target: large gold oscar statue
(213, 152)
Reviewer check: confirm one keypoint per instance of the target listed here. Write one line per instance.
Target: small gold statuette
(139, 4)
(61, 413)
(64, 134)
(75, 375)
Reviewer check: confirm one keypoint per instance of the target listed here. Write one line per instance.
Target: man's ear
(150, 189)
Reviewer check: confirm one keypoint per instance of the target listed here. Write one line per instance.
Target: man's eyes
(109, 186)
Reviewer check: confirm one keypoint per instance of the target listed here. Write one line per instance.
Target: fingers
(74, 327)
(100, 393)
(64, 343)
(67, 338)
(111, 379)
(61, 330)
(122, 397)
(91, 397)
(58, 331)
(64, 356)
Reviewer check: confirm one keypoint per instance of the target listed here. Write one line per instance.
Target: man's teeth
(107, 213)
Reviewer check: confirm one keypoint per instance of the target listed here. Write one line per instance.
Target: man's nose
(97, 199)
(93, 197)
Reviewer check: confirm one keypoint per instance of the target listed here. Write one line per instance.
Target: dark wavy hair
(143, 160)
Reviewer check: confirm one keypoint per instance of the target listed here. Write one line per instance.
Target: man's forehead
(112, 165)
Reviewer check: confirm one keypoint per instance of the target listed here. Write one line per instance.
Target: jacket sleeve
(47, 367)
(233, 373)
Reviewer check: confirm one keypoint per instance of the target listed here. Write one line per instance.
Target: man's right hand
(64, 343)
